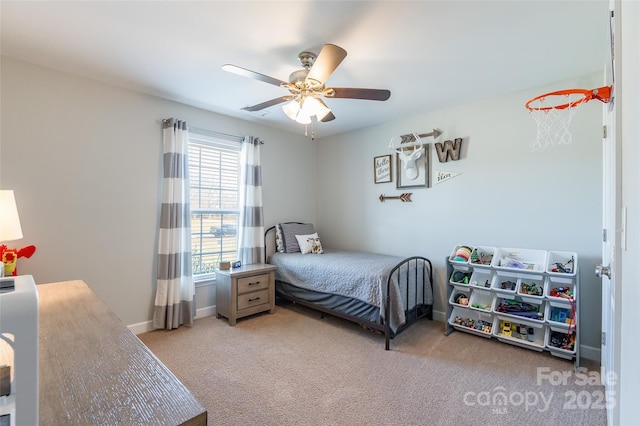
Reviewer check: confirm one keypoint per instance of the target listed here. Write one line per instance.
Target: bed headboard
(270, 239)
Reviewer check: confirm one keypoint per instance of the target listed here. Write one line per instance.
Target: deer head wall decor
(409, 159)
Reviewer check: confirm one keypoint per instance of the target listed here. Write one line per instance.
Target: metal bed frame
(416, 312)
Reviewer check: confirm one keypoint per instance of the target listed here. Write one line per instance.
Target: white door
(610, 237)
(607, 269)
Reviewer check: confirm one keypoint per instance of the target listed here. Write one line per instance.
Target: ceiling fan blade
(252, 74)
(326, 63)
(268, 104)
(353, 93)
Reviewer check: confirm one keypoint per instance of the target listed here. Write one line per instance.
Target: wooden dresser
(95, 371)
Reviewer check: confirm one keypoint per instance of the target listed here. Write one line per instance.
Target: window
(214, 175)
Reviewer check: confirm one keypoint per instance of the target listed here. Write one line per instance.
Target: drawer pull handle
(254, 299)
(255, 283)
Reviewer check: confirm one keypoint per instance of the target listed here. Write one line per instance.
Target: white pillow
(306, 242)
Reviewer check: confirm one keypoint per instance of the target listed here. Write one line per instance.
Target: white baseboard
(590, 353)
(440, 316)
(143, 327)
(205, 312)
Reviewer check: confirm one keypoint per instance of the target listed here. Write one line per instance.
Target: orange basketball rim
(572, 98)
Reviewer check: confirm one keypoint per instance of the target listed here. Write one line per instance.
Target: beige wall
(505, 196)
(84, 160)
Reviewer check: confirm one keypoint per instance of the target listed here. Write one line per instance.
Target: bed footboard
(414, 279)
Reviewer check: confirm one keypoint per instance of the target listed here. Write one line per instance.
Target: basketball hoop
(554, 111)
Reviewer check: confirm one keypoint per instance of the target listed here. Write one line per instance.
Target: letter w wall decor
(448, 150)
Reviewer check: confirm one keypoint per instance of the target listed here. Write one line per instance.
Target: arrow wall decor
(405, 198)
(411, 138)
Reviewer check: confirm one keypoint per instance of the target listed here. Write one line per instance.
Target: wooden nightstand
(245, 291)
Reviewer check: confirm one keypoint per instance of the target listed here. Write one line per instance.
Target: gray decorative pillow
(289, 232)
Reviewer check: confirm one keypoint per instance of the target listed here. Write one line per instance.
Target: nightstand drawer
(253, 283)
(249, 300)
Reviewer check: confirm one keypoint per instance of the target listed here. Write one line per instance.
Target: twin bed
(379, 292)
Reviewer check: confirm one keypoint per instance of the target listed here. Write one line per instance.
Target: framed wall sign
(382, 169)
(412, 168)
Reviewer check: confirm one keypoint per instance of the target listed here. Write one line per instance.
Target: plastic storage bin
(527, 335)
(562, 263)
(531, 288)
(505, 283)
(561, 344)
(482, 256)
(560, 290)
(471, 321)
(559, 316)
(517, 309)
(455, 294)
(461, 277)
(461, 254)
(481, 278)
(515, 259)
(482, 300)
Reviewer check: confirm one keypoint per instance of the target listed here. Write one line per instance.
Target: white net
(553, 119)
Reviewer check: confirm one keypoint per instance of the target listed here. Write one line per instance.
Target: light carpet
(295, 368)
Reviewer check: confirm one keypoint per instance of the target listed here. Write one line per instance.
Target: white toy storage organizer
(523, 297)
(19, 332)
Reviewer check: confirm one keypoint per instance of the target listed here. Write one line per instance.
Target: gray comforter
(362, 276)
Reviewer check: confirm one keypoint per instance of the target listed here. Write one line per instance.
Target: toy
(522, 332)
(508, 285)
(530, 336)
(480, 306)
(479, 325)
(480, 257)
(462, 254)
(563, 267)
(562, 340)
(462, 299)
(10, 258)
(522, 309)
(530, 289)
(562, 292)
(460, 277)
(506, 328)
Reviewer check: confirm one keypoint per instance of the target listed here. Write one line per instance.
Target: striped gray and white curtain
(174, 295)
(251, 232)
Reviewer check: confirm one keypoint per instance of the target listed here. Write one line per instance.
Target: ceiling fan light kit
(295, 111)
(307, 86)
(303, 108)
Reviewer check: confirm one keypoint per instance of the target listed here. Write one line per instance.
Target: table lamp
(10, 228)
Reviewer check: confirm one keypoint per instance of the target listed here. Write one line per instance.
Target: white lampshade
(314, 106)
(10, 228)
(292, 109)
(303, 117)
(302, 109)
(311, 106)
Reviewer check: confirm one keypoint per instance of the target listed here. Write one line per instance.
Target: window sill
(209, 279)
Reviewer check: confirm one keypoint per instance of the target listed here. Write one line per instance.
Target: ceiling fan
(307, 86)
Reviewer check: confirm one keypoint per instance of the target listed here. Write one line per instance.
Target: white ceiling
(429, 54)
